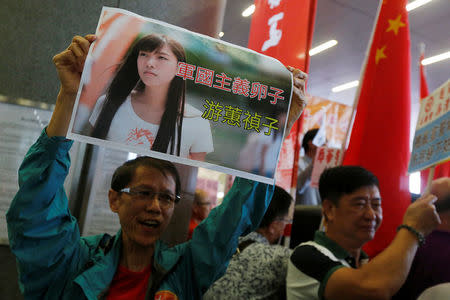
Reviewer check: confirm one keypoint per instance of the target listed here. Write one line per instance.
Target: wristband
(420, 237)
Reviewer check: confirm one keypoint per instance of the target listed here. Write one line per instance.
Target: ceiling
(350, 22)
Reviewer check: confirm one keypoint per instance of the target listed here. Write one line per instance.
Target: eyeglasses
(285, 220)
(165, 199)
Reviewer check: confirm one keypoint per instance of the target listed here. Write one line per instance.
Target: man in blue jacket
(54, 262)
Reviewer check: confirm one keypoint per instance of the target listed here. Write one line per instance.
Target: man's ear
(273, 226)
(327, 210)
(114, 200)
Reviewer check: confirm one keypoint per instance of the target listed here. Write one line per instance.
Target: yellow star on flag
(380, 54)
(394, 25)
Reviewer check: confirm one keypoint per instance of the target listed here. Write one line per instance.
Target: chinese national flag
(379, 140)
(442, 170)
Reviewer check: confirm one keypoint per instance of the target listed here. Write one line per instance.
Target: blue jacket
(54, 262)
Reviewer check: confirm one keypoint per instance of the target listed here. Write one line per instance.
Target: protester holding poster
(54, 262)
(146, 90)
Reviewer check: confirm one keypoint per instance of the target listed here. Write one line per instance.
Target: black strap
(244, 244)
(106, 243)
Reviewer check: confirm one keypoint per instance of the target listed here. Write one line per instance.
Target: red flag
(442, 170)
(423, 81)
(283, 30)
(380, 136)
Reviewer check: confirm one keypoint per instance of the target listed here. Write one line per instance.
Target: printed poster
(431, 144)
(325, 158)
(337, 118)
(20, 126)
(156, 89)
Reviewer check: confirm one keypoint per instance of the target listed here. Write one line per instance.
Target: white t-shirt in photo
(128, 128)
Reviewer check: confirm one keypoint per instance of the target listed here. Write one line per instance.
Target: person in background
(258, 269)
(55, 262)
(333, 266)
(431, 265)
(200, 210)
(307, 195)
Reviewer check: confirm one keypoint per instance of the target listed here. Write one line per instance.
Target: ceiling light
(249, 11)
(436, 58)
(415, 4)
(345, 86)
(322, 47)
(221, 34)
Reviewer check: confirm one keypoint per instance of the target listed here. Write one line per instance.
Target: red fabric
(380, 136)
(127, 284)
(192, 224)
(442, 170)
(296, 26)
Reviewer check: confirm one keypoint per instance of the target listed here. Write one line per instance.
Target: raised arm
(215, 240)
(299, 99)
(42, 233)
(69, 65)
(383, 276)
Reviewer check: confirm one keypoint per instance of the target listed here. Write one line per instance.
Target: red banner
(283, 29)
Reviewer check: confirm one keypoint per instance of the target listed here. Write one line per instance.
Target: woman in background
(145, 103)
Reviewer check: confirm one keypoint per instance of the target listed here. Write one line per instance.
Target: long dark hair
(127, 78)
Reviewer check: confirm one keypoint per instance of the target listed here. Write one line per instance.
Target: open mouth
(150, 223)
(367, 228)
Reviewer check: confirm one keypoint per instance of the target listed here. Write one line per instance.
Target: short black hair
(279, 206)
(338, 181)
(309, 136)
(124, 174)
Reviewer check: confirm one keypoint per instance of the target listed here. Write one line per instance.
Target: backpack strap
(243, 245)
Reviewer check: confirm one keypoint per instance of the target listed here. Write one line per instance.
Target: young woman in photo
(145, 103)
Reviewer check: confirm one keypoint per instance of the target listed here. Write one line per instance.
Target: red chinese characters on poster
(337, 119)
(325, 158)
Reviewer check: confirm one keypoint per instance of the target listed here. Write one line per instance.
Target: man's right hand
(69, 65)
(422, 215)
(70, 62)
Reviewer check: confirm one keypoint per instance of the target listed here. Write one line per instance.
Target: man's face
(202, 209)
(278, 226)
(144, 219)
(357, 216)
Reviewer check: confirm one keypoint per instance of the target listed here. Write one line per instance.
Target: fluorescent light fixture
(436, 58)
(415, 4)
(345, 86)
(414, 183)
(131, 155)
(249, 11)
(322, 47)
(221, 34)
